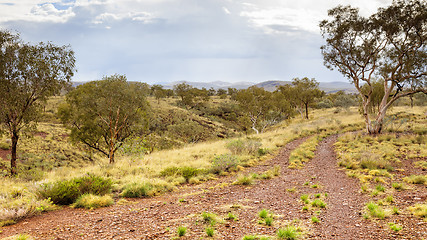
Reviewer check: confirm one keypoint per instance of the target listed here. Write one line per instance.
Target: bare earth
(159, 217)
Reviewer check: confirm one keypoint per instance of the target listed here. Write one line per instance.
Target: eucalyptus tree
(263, 108)
(389, 45)
(29, 74)
(301, 93)
(103, 114)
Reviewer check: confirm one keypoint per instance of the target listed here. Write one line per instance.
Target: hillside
(328, 87)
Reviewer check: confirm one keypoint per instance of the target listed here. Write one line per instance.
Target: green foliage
(181, 231)
(376, 211)
(137, 190)
(301, 93)
(262, 108)
(365, 48)
(103, 114)
(4, 146)
(90, 201)
(29, 74)
(263, 213)
(318, 203)
(419, 210)
(210, 231)
(224, 163)
(210, 218)
(395, 227)
(268, 221)
(186, 172)
(244, 180)
(66, 192)
(231, 216)
(244, 146)
(416, 179)
(288, 233)
(314, 219)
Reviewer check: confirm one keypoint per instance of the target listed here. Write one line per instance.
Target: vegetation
(103, 114)
(301, 93)
(389, 45)
(91, 201)
(29, 74)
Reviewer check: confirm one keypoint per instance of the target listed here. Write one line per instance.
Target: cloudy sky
(159, 41)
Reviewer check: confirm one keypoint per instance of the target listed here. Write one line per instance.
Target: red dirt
(159, 217)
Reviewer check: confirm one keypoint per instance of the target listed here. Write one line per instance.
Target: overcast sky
(163, 41)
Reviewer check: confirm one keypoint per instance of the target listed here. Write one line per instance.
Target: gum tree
(389, 46)
(103, 114)
(29, 74)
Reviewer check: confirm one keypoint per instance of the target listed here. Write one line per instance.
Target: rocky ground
(159, 217)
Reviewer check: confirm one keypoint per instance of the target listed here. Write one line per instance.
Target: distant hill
(328, 87)
(216, 85)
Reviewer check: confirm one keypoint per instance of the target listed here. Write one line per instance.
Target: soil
(159, 217)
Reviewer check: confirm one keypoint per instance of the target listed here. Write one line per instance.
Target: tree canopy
(102, 114)
(28, 75)
(301, 93)
(262, 108)
(389, 45)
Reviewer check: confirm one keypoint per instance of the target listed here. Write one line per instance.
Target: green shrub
(224, 163)
(247, 146)
(318, 203)
(375, 210)
(268, 221)
(90, 201)
(395, 227)
(314, 219)
(66, 192)
(209, 217)
(137, 190)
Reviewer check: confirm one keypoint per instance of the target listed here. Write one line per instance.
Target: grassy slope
(17, 198)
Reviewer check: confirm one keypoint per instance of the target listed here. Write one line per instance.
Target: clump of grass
(210, 218)
(318, 203)
(263, 213)
(416, 179)
(289, 233)
(395, 227)
(375, 210)
(22, 237)
(419, 210)
(244, 180)
(231, 216)
(244, 146)
(305, 198)
(210, 231)
(380, 188)
(314, 219)
(268, 221)
(291, 189)
(90, 201)
(398, 186)
(181, 231)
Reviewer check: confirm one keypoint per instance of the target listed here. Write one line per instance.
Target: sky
(162, 41)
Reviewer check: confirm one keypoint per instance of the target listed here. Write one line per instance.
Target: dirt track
(159, 217)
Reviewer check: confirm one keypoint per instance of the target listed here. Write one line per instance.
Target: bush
(224, 163)
(244, 180)
(66, 192)
(289, 232)
(181, 231)
(90, 201)
(416, 179)
(137, 190)
(247, 146)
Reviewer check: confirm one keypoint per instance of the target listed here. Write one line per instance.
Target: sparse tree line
(383, 55)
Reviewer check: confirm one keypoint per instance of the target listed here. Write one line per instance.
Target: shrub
(137, 190)
(91, 201)
(248, 146)
(231, 216)
(224, 163)
(318, 203)
(66, 192)
(209, 217)
(268, 221)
